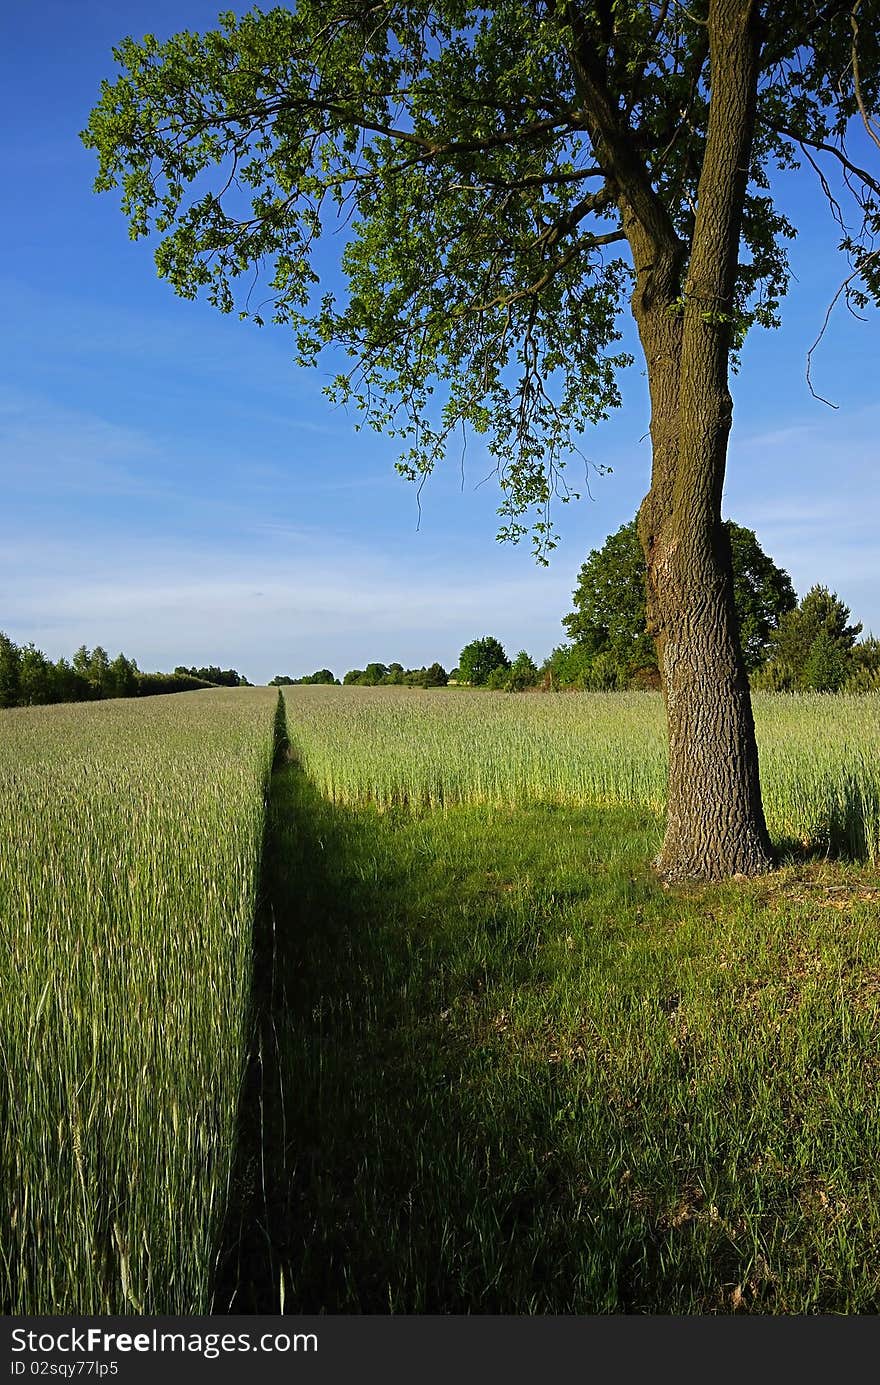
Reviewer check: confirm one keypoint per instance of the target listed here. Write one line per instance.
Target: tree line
(787, 645)
(29, 679)
(375, 675)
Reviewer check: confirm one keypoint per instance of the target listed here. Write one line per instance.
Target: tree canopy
(493, 169)
(321, 675)
(212, 673)
(609, 603)
(377, 675)
(814, 647)
(479, 659)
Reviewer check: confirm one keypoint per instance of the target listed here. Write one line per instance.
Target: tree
(609, 602)
(321, 675)
(507, 175)
(572, 666)
(436, 676)
(68, 685)
(122, 677)
(220, 677)
(813, 647)
(373, 675)
(98, 672)
(762, 595)
(827, 667)
(10, 672)
(433, 677)
(522, 674)
(567, 666)
(36, 678)
(81, 664)
(479, 658)
(864, 673)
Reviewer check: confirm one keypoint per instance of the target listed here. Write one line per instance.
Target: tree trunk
(715, 823)
(715, 819)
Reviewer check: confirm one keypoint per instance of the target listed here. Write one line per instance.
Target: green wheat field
(398, 1019)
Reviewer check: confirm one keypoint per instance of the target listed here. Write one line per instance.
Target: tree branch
(868, 179)
(831, 306)
(857, 83)
(588, 242)
(617, 153)
(433, 148)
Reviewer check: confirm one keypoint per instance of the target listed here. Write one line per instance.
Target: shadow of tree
(397, 1152)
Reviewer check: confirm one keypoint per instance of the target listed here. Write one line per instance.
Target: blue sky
(176, 488)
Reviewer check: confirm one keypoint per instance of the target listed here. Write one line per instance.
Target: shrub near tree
(865, 667)
(497, 679)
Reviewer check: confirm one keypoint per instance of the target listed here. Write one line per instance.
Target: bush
(496, 680)
(151, 684)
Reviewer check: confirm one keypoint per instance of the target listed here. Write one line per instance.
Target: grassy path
(500, 1069)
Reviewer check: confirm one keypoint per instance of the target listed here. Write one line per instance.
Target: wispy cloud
(43, 444)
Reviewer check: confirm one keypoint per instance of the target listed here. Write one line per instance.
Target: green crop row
(131, 844)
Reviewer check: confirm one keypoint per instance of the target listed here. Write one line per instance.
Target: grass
(504, 1070)
(820, 755)
(132, 838)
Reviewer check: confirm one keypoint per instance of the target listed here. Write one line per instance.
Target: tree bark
(715, 819)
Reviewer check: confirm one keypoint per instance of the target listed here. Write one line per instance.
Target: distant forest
(374, 676)
(29, 679)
